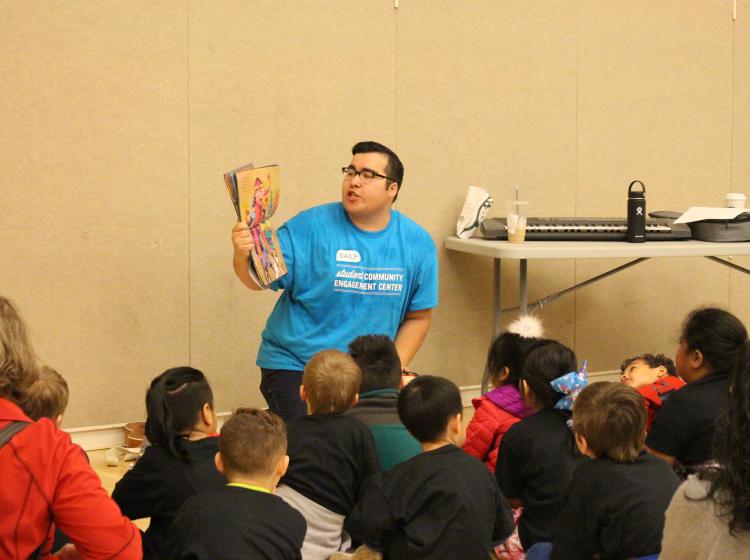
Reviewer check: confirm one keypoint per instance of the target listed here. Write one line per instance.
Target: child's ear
(355, 400)
(282, 466)
(58, 420)
(696, 358)
(219, 463)
(583, 446)
(662, 372)
(302, 393)
(208, 416)
(503, 375)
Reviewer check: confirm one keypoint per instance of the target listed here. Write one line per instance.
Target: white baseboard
(111, 435)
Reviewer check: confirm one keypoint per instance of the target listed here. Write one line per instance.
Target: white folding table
(640, 252)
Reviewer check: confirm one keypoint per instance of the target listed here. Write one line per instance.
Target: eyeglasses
(366, 175)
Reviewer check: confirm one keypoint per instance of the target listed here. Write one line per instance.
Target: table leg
(522, 285)
(495, 318)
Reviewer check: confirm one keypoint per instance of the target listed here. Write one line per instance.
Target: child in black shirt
(244, 519)
(616, 502)
(331, 455)
(181, 427)
(440, 504)
(683, 429)
(538, 454)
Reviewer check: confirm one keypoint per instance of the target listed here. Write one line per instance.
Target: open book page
(230, 178)
(267, 260)
(255, 195)
(258, 193)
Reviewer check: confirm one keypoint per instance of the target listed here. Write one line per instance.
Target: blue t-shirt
(344, 282)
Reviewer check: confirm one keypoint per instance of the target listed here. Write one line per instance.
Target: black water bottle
(636, 213)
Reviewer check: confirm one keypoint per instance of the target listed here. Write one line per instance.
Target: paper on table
(698, 213)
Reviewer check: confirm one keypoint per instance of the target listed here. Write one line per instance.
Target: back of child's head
(378, 359)
(510, 348)
(173, 406)
(717, 334)
(47, 397)
(546, 361)
(426, 405)
(19, 366)
(331, 381)
(252, 442)
(612, 419)
(652, 361)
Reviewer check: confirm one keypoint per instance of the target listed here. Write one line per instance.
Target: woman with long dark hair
(709, 517)
(180, 426)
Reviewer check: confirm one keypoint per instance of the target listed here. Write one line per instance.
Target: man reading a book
(355, 267)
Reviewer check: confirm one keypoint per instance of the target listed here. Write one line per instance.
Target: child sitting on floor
(181, 426)
(440, 504)
(654, 377)
(331, 455)
(378, 359)
(244, 519)
(47, 396)
(497, 410)
(616, 502)
(538, 454)
(683, 429)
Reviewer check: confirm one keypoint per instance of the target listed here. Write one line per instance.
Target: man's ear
(302, 393)
(207, 415)
(355, 400)
(454, 424)
(219, 463)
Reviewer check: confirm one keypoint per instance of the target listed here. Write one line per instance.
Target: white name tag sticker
(348, 255)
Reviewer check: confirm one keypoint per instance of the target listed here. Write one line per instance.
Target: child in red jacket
(654, 377)
(497, 410)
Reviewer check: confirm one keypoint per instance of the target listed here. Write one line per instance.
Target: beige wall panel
(286, 82)
(93, 103)
(739, 294)
(741, 102)
(654, 103)
(486, 96)
(642, 309)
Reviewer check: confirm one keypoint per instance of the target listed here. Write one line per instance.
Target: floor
(109, 475)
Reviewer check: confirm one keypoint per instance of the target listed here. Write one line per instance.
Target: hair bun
(527, 326)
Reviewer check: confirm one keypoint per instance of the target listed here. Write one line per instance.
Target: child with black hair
(615, 503)
(538, 454)
(181, 427)
(654, 377)
(440, 504)
(683, 429)
(497, 410)
(331, 454)
(377, 357)
(244, 519)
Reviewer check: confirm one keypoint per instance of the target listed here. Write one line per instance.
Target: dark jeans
(280, 388)
(540, 551)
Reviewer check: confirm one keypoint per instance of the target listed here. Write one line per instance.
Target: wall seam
(575, 160)
(731, 140)
(189, 182)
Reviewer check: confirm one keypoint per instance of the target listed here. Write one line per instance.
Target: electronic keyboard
(586, 229)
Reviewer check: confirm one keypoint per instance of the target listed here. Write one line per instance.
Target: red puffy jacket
(46, 477)
(486, 429)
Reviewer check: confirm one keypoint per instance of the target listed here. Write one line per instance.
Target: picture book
(254, 192)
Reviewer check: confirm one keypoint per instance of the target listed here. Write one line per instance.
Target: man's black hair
(378, 359)
(427, 404)
(394, 170)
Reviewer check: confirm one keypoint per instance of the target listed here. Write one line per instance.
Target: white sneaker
(477, 202)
